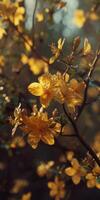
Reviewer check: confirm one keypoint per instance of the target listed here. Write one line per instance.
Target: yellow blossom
(17, 141)
(12, 11)
(57, 189)
(93, 178)
(43, 168)
(79, 18)
(39, 127)
(75, 93)
(19, 15)
(93, 16)
(76, 171)
(39, 16)
(55, 87)
(49, 87)
(26, 196)
(56, 50)
(36, 65)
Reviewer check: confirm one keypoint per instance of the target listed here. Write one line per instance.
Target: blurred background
(45, 22)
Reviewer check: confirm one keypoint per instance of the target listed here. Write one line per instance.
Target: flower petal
(70, 171)
(76, 179)
(33, 140)
(48, 138)
(35, 89)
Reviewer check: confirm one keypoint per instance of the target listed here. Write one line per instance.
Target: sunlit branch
(82, 141)
(88, 78)
(33, 28)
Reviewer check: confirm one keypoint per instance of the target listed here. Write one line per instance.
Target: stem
(92, 68)
(82, 141)
(33, 28)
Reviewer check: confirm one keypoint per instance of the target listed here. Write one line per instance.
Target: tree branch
(92, 68)
(82, 141)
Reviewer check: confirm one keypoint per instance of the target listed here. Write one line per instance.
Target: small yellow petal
(35, 89)
(48, 138)
(76, 179)
(70, 171)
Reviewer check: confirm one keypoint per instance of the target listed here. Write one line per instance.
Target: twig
(25, 40)
(82, 141)
(92, 68)
(33, 28)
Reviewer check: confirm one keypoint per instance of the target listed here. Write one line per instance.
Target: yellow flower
(39, 127)
(39, 16)
(56, 50)
(56, 87)
(18, 16)
(76, 171)
(12, 11)
(79, 18)
(36, 65)
(17, 141)
(93, 178)
(43, 168)
(26, 196)
(49, 87)
(93, 16)
(57, 189)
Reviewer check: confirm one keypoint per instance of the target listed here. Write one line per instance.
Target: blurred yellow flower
(26, 196)
(39, 16)
(93, 178)
(79, 18)
(18, 16)
(56, 87)
(43, 168)
(76, 171)
(36, 65)
(17, 141)
(12, 11)
(57, 189)
(93, 16)
(39, 127)
(75, 93)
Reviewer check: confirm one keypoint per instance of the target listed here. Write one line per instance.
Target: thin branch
(33, 28)
(92, 68)
(82, 141)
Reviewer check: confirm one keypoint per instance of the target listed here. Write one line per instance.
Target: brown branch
(79, 137)
(33, 27)
(92, 68)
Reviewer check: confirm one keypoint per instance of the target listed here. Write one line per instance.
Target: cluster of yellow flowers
(36, 65)
(76, 172)
(60, 88)
(80, 17)
(12, 11)
(37, 126)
